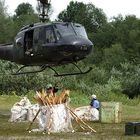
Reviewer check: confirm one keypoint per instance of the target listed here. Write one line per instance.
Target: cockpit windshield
(80, 30)
(66, 29)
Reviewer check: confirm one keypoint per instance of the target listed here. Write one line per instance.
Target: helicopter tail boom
(6, 52)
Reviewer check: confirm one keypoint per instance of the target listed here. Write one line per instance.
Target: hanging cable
(44, 6)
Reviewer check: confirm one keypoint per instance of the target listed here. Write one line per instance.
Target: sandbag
(19, 110)
(87, 113)
(32, 111)
(55, 118)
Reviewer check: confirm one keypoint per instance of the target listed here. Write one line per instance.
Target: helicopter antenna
(44, 6)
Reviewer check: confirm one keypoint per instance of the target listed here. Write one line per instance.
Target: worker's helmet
(94, 96)
(49, 86)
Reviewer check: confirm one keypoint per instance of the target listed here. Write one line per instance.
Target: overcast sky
(110, 7)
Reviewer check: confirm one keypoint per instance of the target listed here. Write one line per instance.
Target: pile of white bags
(19, 110)
(52, 118)
(87, 113)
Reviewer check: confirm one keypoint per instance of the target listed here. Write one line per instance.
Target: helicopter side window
(50, 35)
(57, 33)
(46, 35)
(29, 42)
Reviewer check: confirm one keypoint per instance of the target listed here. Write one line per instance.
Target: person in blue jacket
(94, 102)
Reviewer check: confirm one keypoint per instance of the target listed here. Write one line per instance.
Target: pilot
(94, 102)
(51, 90)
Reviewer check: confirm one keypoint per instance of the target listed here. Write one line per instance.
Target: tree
(6, 24)
(24, 15)
(113, 56)
(130, 79)
(24, 9)
(127, 32)
(3, 8)
(86, 14)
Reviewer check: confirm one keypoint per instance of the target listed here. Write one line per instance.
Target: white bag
(87, 113)
(32, 111)
(55, 118)
(19, 110)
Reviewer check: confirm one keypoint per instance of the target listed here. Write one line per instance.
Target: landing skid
(18, 72)
(42, 68)
(75, 73)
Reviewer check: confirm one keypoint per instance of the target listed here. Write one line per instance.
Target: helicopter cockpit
(66, 29)
(54, 32)
(67, 40)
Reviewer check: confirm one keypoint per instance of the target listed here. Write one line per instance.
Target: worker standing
(51, 90)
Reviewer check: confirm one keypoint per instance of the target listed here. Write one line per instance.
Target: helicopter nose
(82, 45)
(78, 47)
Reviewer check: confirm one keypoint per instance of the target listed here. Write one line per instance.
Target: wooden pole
(77, 121)
(81, 120)
(29, 128)
(31, 123)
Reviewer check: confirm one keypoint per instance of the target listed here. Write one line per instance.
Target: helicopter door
(29, 43)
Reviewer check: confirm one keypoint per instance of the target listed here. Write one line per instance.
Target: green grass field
(17, 131)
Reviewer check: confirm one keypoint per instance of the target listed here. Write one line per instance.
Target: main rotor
(44, 6)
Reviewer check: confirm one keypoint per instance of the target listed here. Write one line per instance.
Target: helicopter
(48, 45)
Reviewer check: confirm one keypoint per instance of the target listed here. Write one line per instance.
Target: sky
(110, 7)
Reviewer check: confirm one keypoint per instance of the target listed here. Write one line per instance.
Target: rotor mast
(44, 6)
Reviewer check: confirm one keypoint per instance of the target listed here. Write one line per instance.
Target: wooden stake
(29, 128)
(81, 120)
(77, 121)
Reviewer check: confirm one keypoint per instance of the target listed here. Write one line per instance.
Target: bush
(131, 79)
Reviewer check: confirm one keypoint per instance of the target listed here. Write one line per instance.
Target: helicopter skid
(42, 68)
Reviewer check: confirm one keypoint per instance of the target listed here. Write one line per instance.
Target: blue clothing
(95, 103)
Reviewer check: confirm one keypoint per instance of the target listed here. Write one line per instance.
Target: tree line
(115, 57)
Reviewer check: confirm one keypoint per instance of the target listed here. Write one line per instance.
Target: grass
(17, 131)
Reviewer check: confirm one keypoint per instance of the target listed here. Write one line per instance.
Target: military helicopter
(48, 45)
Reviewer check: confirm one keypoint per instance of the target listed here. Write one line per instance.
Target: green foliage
(86, 14)
(113, 56)
(6, 23)
(8, 101)
(2, 8)
(24, 15)
(131, 79)
(127, 33)
(24, 9)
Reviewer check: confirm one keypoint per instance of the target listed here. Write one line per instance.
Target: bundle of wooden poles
(43, 98)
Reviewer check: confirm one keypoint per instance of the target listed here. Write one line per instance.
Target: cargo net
(54, 115)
